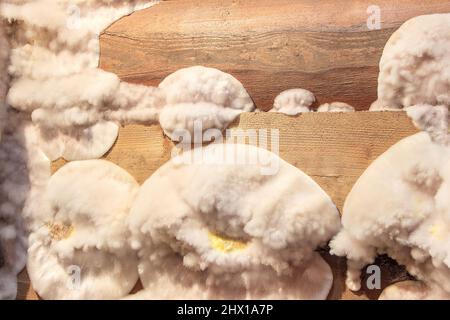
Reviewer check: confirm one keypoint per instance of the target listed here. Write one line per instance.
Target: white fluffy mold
(415, 65)
(335, 107)
(81, 249)
(55, 75)
(79, 143)
(13, 244)
(412, 290)
(209, 96)
(293, 101)
(401, 206)
(212, 224)
(4, 77)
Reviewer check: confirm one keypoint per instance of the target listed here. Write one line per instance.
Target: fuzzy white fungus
(13, 243)
(24, 170)
(81, 249)
(415, 65)
(4, 78)
(432, 119)
(335, 107)
(78, 143)
(412, 290)
(293, 101)
(55, 75)
(210, 96)
(75, 107)
(210, 225)
(401, 206)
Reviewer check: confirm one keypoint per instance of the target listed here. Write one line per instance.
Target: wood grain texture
(139, 149)
(269, 45)
(333, 148)
(24, 289)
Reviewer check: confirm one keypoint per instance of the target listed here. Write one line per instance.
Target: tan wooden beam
(269, 45)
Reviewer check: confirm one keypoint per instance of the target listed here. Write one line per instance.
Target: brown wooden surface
(334, 149)
(269, 45)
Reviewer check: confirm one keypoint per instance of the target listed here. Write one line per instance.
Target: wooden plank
(24, 288)
(333, 148)
(269, 45)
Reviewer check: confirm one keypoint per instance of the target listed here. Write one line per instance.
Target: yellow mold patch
(60, 231)
(224, 244)
(437, 231)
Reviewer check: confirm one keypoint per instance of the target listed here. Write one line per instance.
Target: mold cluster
(194, 230)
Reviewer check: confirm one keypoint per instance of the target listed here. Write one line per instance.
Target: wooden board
(269, 45)
(334, 149)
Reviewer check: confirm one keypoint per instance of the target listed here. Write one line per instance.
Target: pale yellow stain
(60, 231)
(224, 244)
(418, 201)
(437, 231)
